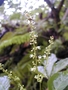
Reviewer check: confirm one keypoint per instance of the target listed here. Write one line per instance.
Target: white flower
(35, 35)
(33, 69)
(38, 47)
(39, 77)
(31, 55)
(39, 57)
(44, 56)
(4, 83)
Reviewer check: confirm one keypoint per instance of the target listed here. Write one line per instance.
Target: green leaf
(50, 81)
(4, 83)
(15, 40)
(58, 81)
(60, 65)
(48, 64)
(7, 36)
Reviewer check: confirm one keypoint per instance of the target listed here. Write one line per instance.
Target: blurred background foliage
(14, 37)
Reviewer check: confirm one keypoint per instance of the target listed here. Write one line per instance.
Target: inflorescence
(33, 42)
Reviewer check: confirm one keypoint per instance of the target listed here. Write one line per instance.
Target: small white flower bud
(39, 57)
(31, 55)
(38, 47)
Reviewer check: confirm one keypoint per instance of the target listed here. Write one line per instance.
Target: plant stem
(40, 85)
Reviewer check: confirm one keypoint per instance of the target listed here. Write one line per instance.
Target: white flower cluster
(33, 69)
(21, 87)
(49, 47)
(39, 77)
(33, 38)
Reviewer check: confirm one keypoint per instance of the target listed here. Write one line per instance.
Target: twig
(60, 5)
(49, 3)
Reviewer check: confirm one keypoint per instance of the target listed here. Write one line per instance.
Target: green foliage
(54, 71)
(58, 81)
(60, 65)
(15, 40)
(51, 67)
(12, 77)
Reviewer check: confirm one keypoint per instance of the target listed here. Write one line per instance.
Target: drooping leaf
(61, 82)
(60, 65)
(58, 81)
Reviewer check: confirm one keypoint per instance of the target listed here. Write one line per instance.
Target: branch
(60, 5)
(49, 3)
